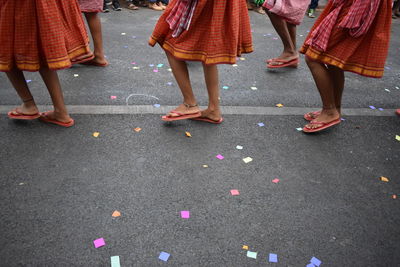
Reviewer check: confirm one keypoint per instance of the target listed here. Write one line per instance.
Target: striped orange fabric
(218, 33)
(42, 33)
(364, 55)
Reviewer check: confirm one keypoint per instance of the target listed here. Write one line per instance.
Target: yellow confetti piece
(137, 129)
(116, 214)
(188, 134)
(398, 138)
(245, 247)
(384, 179)
(169, 69)
(242, 58)
(247, 160)
(234, 65)
(135, 68)
(279, 105)
(205, 166)
(76, 75)
(96, 134)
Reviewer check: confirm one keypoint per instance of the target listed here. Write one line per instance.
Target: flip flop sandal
(309, 116)
(132, 7)
(271, 60)
(209, 120)
(93, 63)
(15, 115)
(43, 117)
(181, 116)
(323, 126)
(291, 63)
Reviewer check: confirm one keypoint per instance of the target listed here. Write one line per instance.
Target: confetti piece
(205, 166)
(156, 105)
(242, 58)
(275, 38)
(96, 134)
(135, 68)
(253, 88)
(113, 97)
(235, 192)
(239, 147)
(234, 65)
(397, 137)
(137, 129)
(219, 156)
(397, 87)
(245, 247)
(188, 134)
(116, 213)
(76, 75)
(261, 124)
(273, 257)
(372, 107)
(316, 261)
(275, 181)
(387, 90)
(99, 243)
(310, 265)
(225, 87)
(133, 63)
(164, 256)
(279, 105)
(394, 196)
(384, 179)
(160, 65)
(151, 65)
(28, 81)
(21, 183)
(252, 254)
(247, 160)
(169, 83)
(169, 69)
(123, 33)
(299, 129)
(115, 261)
(125, 46)
(155, 70)
(134, 37)
(185, 214)
(381, 109)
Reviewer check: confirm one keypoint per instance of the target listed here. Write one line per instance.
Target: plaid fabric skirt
(218, 33)
(292, 11)
(89, 6)
(42, 33)
(365, 55)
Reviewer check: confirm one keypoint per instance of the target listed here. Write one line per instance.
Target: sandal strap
(190, 106)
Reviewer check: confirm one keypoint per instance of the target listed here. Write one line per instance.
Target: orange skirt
(365, 55)
(42, 33)
(219, 32)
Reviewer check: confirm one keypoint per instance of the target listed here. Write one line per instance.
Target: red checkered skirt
(218, 33)
(91, 5)
(42, 33)
(364, 55)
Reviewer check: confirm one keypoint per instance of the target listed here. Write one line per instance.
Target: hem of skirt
(92, 10)
(76, 57)
(268, 7)
(199, 55)
(332, 60)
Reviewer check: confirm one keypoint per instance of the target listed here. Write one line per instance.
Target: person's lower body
(311, 8)
(287, 33)
(131, 5)
(156, 5)
(94, 23)
(395, 9)
(189, 106)
(330, 83)
(116, 5)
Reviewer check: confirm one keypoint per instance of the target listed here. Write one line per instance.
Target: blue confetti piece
(225, 87)
(388, 68)
(315, 261)
(160, 65)
(151, 65)
(381, 109)
(134, 37)
(164, 256)
(261, 124)
(372, 107)
(157, 105)
(310, 265)
(169, 83)
(273, 257)
(28, 81)
(342, 119)
(125, 46)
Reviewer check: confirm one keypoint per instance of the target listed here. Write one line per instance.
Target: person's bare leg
(337, 77)
(326, 90)
(213, 111)
(18, 81)
(281, 27)
(292, 28)
(53, 85)
(181, 74)
(94, 23)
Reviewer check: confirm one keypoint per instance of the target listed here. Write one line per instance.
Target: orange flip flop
(285, 63)
(15, 115)
(209, 120)
(181, 116)
(43, 117)
(308, 117)
(323, 126)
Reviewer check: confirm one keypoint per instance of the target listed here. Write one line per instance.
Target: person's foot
(57, 116)
(160, 4)
(132, 6)
(311, 13)
(116, 6)
(98, 61)
(284, 57)
(326, 116)
(155, 7)
(214, 115)
(184, 109)
(26, 109)
(259, 10)
(106, 10)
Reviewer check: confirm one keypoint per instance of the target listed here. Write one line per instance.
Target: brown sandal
(132, 7)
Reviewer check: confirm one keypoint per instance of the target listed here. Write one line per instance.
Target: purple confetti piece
(169, 83)
(342, 119)
(315, 261)
(151, 65)
(28, 81)
(125, 46)
(372, 107)
(381, 109)
(261, 124)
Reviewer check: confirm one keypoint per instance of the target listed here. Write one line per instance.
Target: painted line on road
(227, 110)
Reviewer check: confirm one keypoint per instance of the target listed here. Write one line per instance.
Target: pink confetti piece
(275, 181)
(155, 70)
(219, 156)
(235, 192)
(99, 243)
(185, 214)
(113, 97)
(133, 63)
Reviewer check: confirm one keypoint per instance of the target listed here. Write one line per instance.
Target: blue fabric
(314, 4)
